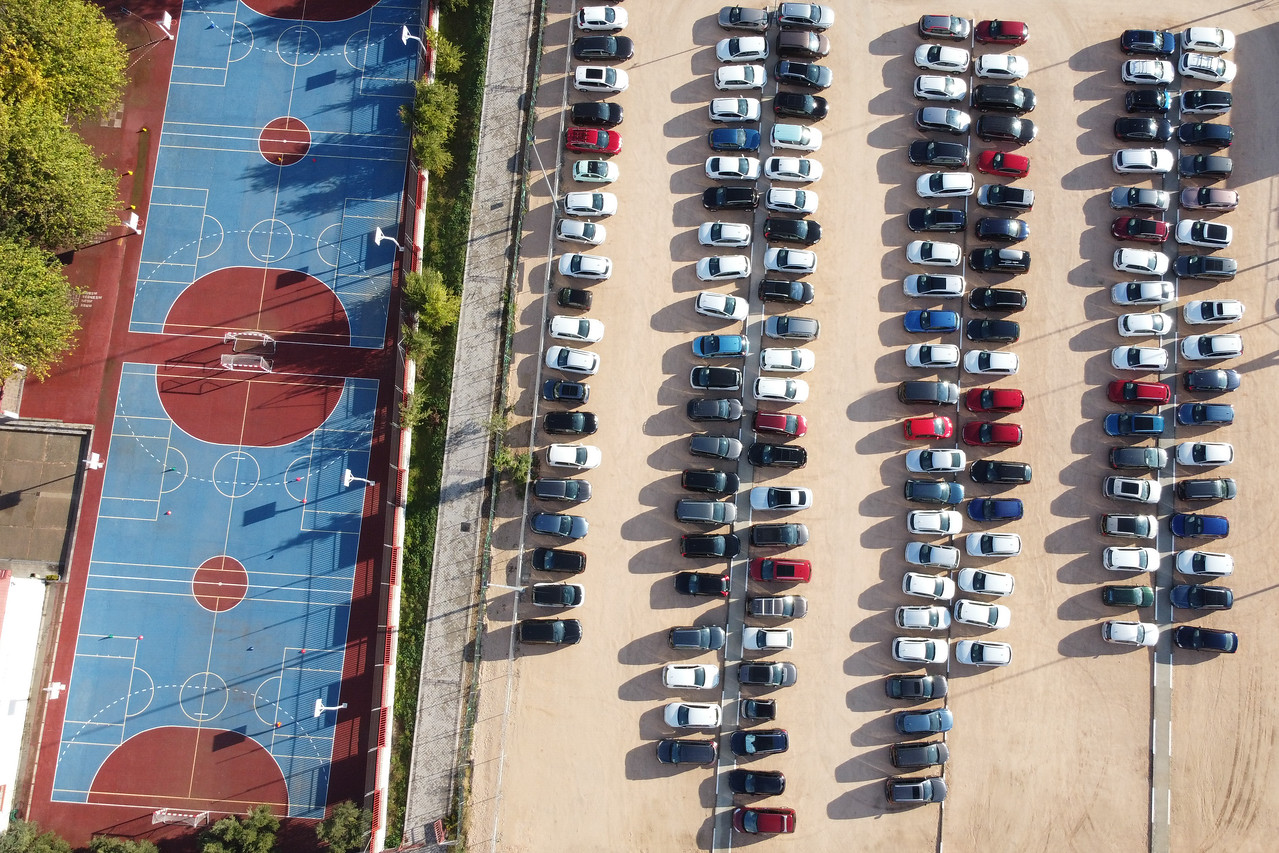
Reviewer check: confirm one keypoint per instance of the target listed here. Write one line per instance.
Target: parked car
(1001, 32)
(603, 47)
(997, 299)
(1211, 381)
(781, 571)
(1192, 525)
(705, 546)
(686, 751)
(559, 560)
(1003, 128)
(732, 78)
(1130, 633)
(1206, 639)
(743, 18)
(1115, 595)
(1194, 596)
(1206, 102)
(767, 674)
(800, 105)
(1148, 42)
(553, 632)
(998, 471)
(983, 653)
(763, 821)
(938, 154)
(700, 638)
(747, 744)
(733, 139)
(1005, 197)
(701, 583)
(1204, 166)
(910, 790)
(1001, 66)
(598, 78)
(709, 480)
(997, 97)
(983, 582)
(705, 512)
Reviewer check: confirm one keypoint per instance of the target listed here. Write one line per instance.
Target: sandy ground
(1052, 753)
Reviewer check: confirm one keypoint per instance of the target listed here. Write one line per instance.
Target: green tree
(432, 117)
(65, 51)
(347, 829)
(252, 833)
(108, 844)
(427, 297)
(37, 318)
(448, 56)
(25, 837)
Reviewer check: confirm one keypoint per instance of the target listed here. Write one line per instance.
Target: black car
(988, 259)
(936, 219)
(709, 480)
(709, 546)
(806, 232)
(996, 331)
(997, 299)
(791, 292)
(1148, 101)
(1006, 129)
(569, 491)
(572, 297)
(723, 409)
(743, 18)
(916, 687)
(1215, 489)
(1206, 639)
(810, 75)
(597, 114)
(995, 471)
(758, 709)
(1206, 102)
(559, 560)
(779, 535)
(703, 638)
(558, 524)
(714, 446)
(1211, 381)
(730, 198)
(554, 632)
(777, 455)
(1002, 229)
(1206, 134)
(1005, 197)
(1204, 166)
(716, 379)
(928, 392)
(570, 423)
(993, 97)
(915, 789)
(767, 674)
(934, 492)
(762, 782)
(1148, 43)
(686, 751)
(603, 47)
(733, 139)
(799, 105)
(759, 742)
(558, 594)
(563, 391)
(918, 754)
(1143, 129)
(1151, 458)
(938, 155)
(1193, 596)
(1206, 266)
(701, 583)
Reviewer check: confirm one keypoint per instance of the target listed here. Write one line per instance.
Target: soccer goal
(174, 816)
(254, 363)
(249, 341)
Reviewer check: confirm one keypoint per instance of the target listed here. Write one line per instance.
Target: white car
(787, 359)
(767, 639)
(933, 556)
(944, 185)
(692, 715)
(1207, 40)
(982, 614)
(936, 461)
(781, 498)
(937, 57)
(733, 77)
(1130, 558)
(732, 168)
(1142, 359)
(986, 361)
(992, 544)
(934, 522)
(594, 267)
(934, 253)
(791, 201)
(790, 260)
(580, 457)
(681, 676)
(931, 356)
(607, 19)
(781, 390)
(1144, 261)
(1205, 453)
(569, 360)
(590, 204)
(573, 231)
(1130, 633)
(800, 170)
(1001, 66)
(1211, 347)
(1150, 292)
(922, 617)
(587, 331)
(724, 267)
(1152, 72)
(796, 137)
(1202, 232)
(597, 78)
(1144, 325)
(1202, 312)
(1214, 69)
(1205, 564)
(920, 650)
(983, 653)
(735, 109)
(720, 305)
(934, 286)
(1136, 489)
(935, 587)
(983, 582)
(741, 49)
(576, 594)
(595, 171)
(730, 234)
(940, 87)
(1142, 160)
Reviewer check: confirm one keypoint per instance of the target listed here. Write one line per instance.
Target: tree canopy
(64, 52)
(37, 319)
(108, 844)
(432, 116)
(347, 829)
(26, 837)
(252, 833)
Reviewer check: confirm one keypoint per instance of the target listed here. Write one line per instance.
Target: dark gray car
(705, 512)
(551, 632)
(743, 18)
(915, 789)
(1138, 457)
(768, 674)
(697, 638)
(572, 491)
(928, 392)
(786, 535)
(778, 606)
(911, 755)
(714, 446)
(792, 328)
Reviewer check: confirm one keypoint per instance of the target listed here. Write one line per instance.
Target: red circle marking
(334, 10)
(284, 141)
(220, 583)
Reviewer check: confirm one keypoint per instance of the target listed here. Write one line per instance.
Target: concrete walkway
(462, 523)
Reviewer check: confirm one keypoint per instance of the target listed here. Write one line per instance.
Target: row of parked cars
(1141, 220)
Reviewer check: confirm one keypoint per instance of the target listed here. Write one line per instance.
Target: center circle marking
(270, 240)
(203, 696)
(236, 474)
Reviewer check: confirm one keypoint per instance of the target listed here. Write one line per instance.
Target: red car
(1136, 228)
(592, 141)
(1003, 163)
(782, 571)
(987, 434)
(1140, 393)
(793, 425)
(763, 821)
(994, 400)
(1001, 32)
(922, 429)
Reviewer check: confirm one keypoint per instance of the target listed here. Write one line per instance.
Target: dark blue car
(1191, 414)
(1127, 424)
(733, 139)
(931, 321)
(995, 509)
(1191, 596)
(721, 346)
(1191, 525)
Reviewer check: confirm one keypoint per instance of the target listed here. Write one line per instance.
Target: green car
(1128, 596)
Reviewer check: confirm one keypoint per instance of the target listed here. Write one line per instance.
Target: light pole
(348, 478)
(380, 236)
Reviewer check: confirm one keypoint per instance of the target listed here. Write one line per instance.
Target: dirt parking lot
(1054, 752)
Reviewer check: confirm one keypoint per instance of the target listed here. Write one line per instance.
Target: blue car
(1192, 414)
(924, 722)
(931, 321)
(1192, 525)
(1128, 424)
(733, 139)
(721, 346)
(995, 509)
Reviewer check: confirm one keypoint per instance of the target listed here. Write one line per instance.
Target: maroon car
(1001, 32)
(987, 434)
(781, 571)
(1139, 393)
(591, 141)
(1136, 228)
(794, 425)
(758, 821)
(994, 400)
